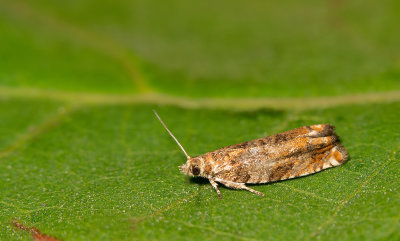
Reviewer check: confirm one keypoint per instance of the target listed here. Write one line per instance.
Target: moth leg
(238, 185)
(215, 186)
(252, 190)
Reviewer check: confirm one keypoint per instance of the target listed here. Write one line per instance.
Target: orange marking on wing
(300, 143)
(208, 168)
(337, 155)
(226, 158)
(330, 155)
(297, 132)
(317, 141)
(208, 158)
(235, 153)
(320, 142)
(317, 127)
(323, 150)
(314, 163)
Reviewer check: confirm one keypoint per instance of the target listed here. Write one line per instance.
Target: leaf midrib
(236, 104)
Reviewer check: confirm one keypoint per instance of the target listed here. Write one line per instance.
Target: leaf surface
(84, 158)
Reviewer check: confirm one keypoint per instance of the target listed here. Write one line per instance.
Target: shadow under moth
(294, 153)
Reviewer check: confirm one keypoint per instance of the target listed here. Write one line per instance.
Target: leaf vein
(236, 104)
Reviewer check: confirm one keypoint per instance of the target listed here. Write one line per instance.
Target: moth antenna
(177, 142)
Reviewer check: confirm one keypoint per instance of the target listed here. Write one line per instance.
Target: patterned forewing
(294, 153)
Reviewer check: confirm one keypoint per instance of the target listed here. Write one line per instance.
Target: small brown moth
(295, 153)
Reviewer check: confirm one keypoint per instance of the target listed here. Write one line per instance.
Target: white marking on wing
(254, 150)
(333, 161)
(326, 165)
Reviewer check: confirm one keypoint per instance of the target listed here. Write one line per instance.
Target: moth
(294, 153)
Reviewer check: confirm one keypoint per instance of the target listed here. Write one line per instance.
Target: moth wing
(320, 130)
(304, 164)
(266, 160)
(285, 168)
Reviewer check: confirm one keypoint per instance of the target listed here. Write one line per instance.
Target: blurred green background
(206, 48)
(83, 158)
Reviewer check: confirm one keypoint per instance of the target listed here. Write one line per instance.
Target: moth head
(193, 167)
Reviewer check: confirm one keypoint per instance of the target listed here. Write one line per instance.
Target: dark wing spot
(280, 171)
(243, 145)
(232, 162)
(279, 138)
(242, 177)
(262, 142)
(246, 178)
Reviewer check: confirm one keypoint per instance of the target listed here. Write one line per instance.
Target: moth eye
(195, 171)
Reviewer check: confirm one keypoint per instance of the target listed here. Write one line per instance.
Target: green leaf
(82, 157)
